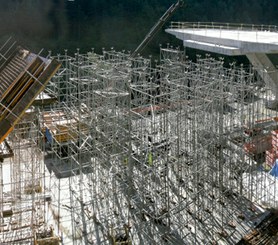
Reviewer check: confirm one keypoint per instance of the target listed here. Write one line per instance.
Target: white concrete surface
(228, 42)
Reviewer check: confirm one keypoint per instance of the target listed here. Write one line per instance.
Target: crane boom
(157, 27)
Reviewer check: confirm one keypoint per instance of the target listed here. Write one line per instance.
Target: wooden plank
(17, 86)
(26, 99)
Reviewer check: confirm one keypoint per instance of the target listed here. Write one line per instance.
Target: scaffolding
(23, 76)
(157, 154)
(138, 153)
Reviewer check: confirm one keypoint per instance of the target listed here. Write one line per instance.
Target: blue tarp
(274, 170)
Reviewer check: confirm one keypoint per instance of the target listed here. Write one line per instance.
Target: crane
(166, 16)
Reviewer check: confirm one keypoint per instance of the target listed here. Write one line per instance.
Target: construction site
(115, 148)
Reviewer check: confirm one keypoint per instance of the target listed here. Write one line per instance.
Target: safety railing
(222, 26)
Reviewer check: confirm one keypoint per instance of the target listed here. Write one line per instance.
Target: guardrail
(222, 26)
